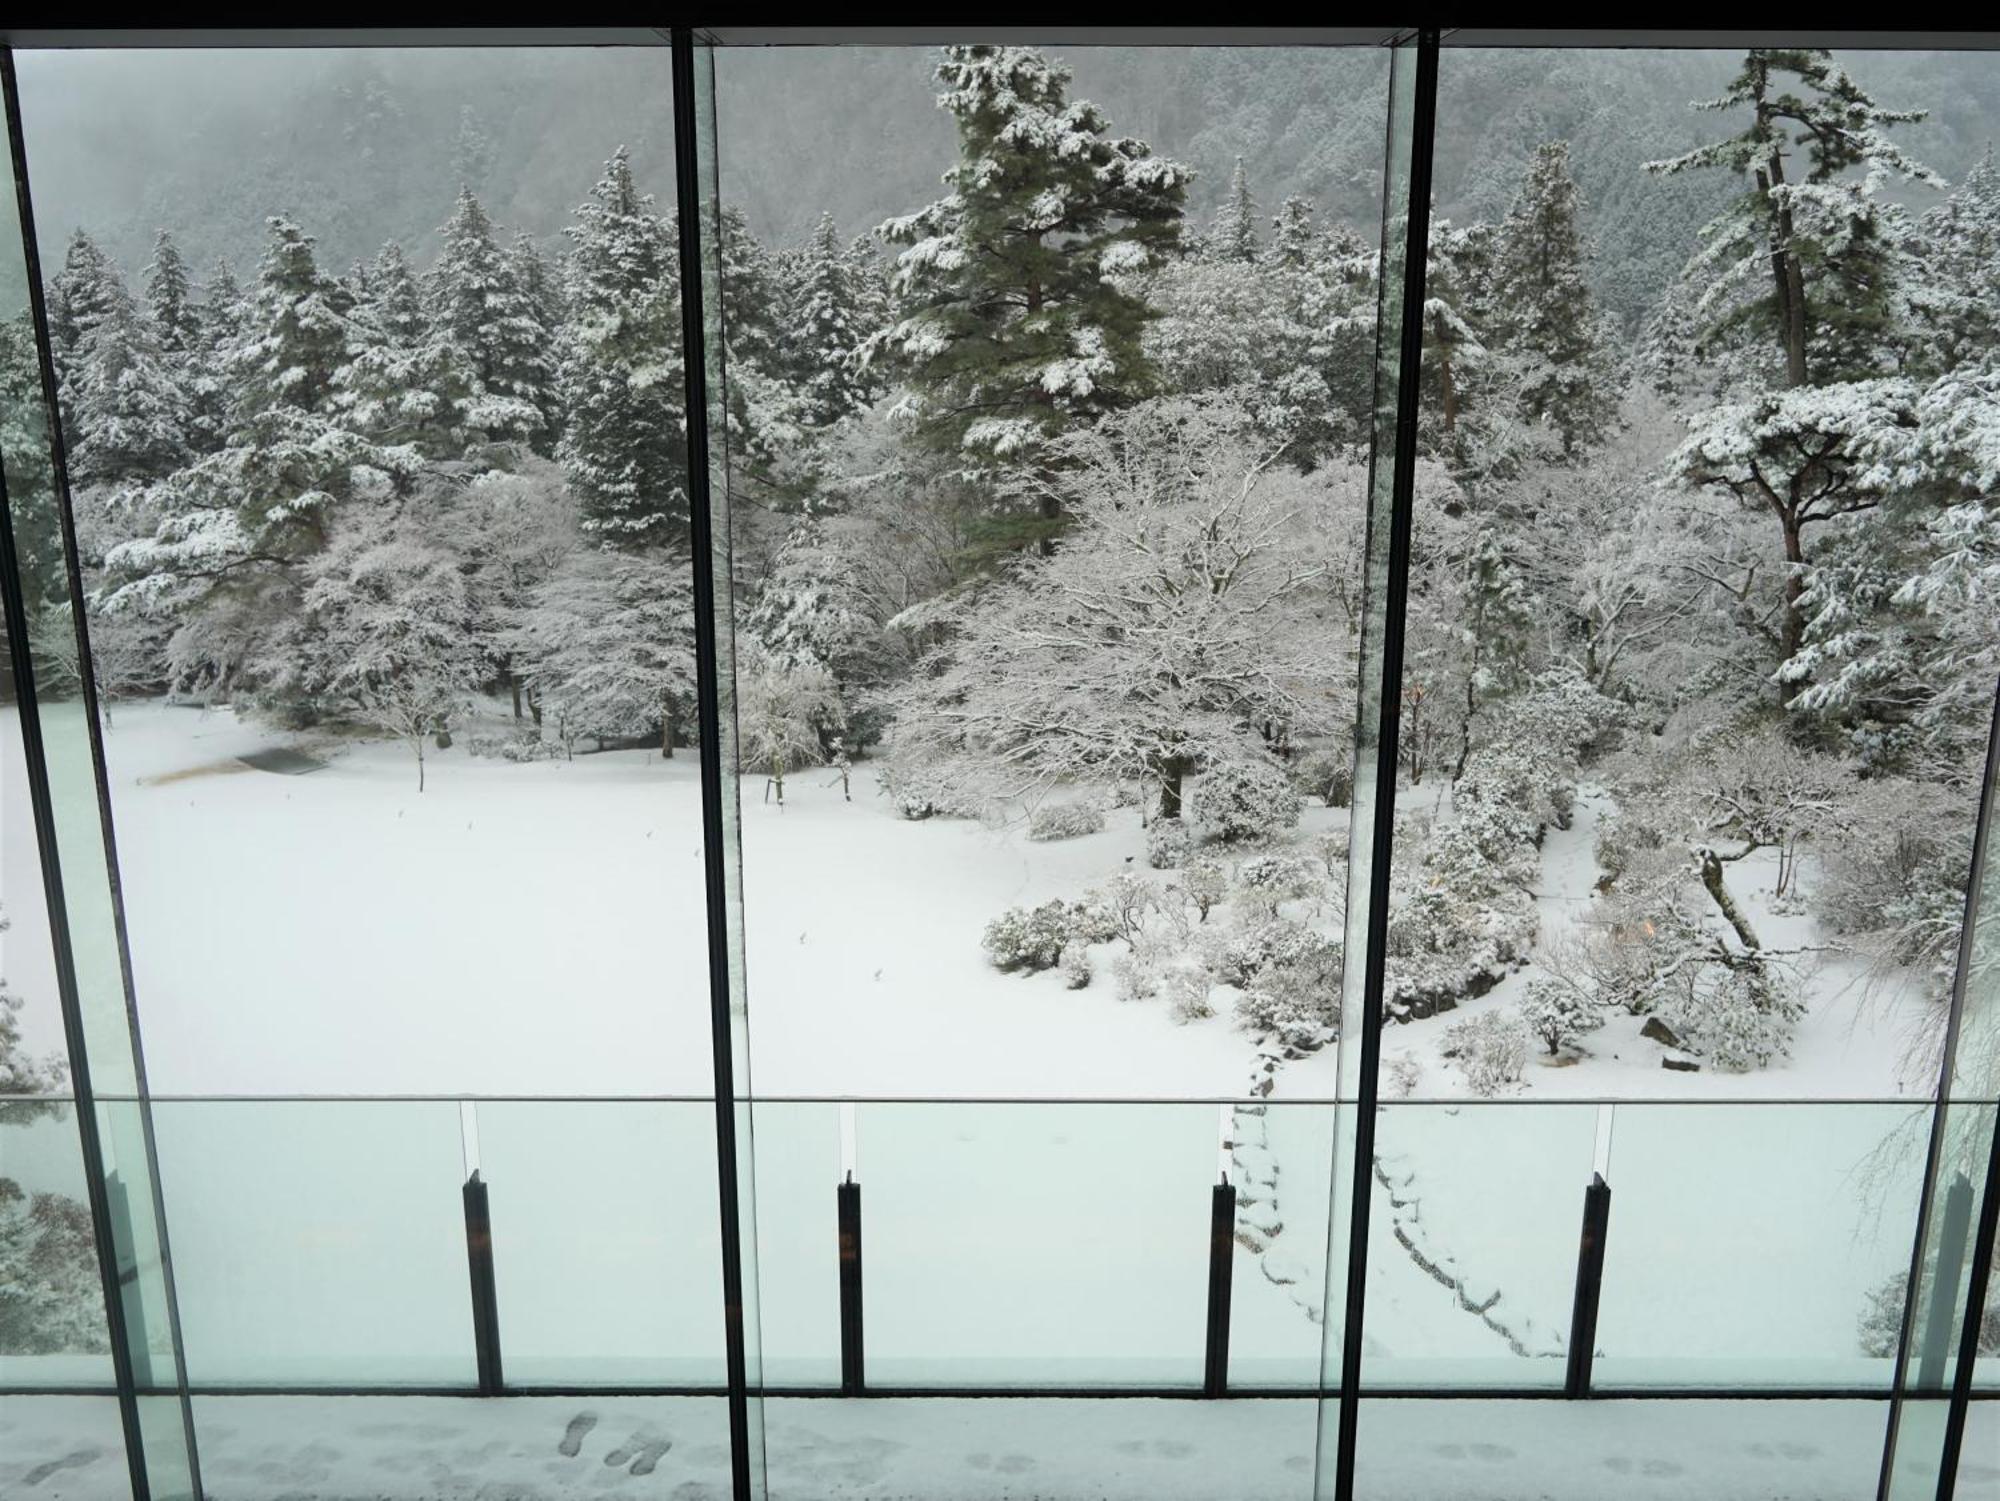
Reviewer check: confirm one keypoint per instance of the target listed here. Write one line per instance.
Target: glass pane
(319, 1243)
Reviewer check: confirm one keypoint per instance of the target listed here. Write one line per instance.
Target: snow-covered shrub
(1030, 938)
(1894, 869)
(1491, 1050)
(1205, 882)
(1559, 1013)
(1742, 1017)
(1880, 1326)
(1293, 1003)
(1403, 1072)
(1187, 994)
(1240, 800)
(1119, 908)
(921, 792)
(1075, 965)
(1167, 844)
(1270, 880)
(51, 1300)
(1137, 978)
(1053, 821)
(1621, 841)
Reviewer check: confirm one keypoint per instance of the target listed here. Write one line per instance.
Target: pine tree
(298, 330)
(542, 300)
(1292, 234)
(1232, 234)
(1545, 310)
(477, 302)
(471, 151)
(405, 381)
(1958, 245)
(814, 612)
(24, 440)
(825, 330)
(170, 298)
(130, 422)
(1014, 324)
(218, 324)
(1802, 272)
(625, 445)
(78, 296)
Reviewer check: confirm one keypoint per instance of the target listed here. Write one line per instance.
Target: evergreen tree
(1015, 323)
(476, 301)
(1958, 245)
(1292, 234)
(542, 304)
(78, 296)
(1232, 234)
(24, 441)
(217, 324)
(297, 328)
(471, 151)
(130, 423)
(825, 330)
(171, 300)
(1800, 276)
(406, 381)
(1544, 306)
(625, 445)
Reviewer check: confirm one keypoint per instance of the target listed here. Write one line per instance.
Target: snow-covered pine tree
(542, 299)
(625, 443)
(217, 325)
(475, 300)
(1958, 245)
(1232, 233)
(1015, 322)
(1800, 271)
(24, 440)
(78, 295)
(1569, 379)
(1292, 236)
(406, 380)
(472, 153)
(825, 331)
(1805, 310)
(130, 410)
(233, 525)
(171, 300)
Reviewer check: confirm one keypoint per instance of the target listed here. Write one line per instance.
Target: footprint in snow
(573, 1435)
(642, 1451)
(74, 1461)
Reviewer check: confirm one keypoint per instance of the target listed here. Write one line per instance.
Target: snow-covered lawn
(536, 930)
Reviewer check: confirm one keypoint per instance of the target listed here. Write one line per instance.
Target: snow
(543, 1449)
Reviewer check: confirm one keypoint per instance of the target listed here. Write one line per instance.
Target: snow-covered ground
(544, 1449)
(536, 930)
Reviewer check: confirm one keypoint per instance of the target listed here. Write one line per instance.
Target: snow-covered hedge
(1033, 938)
(1242, 800)
(1065, 821)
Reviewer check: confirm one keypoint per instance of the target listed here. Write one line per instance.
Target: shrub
(1491, 1049)
(1273, 879)
(1331, 850)
(1206, 883)
(1119, 908)
(1742, 1020)
(1291, 1003)
(1053, 821)
(1167, 844)
(1187, 994)
(1075, 965)
(1559, 1013)
(1030, 939)
(926, 792)
(1241, 800)
(1137, 979)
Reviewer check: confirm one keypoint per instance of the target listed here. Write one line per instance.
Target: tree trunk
(1793, 627)
(667, 728)
(1711, 877)
(1172, 771)
(514, 687)
(1788, 276)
